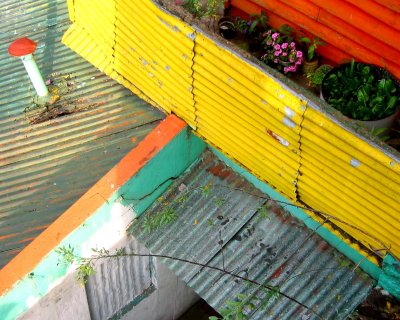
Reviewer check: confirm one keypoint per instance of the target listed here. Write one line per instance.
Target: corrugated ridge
(247, 114)
(235, 208)
(82, 43)
(272, 248)
(162, 73)
(98, 19)
(342, 177)
(42, 14)
(117, 282)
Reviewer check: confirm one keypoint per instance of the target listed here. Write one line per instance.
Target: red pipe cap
(22, 47)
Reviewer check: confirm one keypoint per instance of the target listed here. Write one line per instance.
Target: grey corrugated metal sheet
(118, 284)
(46, 167)
(260, 240)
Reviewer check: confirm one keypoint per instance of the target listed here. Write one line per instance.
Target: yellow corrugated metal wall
(154, 51)
(350, 179)
(92, 34)
(248, 114)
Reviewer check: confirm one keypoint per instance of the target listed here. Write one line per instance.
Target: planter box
(261, 119)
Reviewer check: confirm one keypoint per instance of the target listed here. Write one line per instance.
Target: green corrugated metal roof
(46, 167)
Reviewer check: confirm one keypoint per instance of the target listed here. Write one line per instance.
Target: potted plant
(363, 92)
(227, 28)
(309, 46)
(315, 78)
(281, 53)
(241, 26)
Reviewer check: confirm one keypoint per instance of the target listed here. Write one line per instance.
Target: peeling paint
(289, 112)
(167, 68)
(289, 123)
(355, 163)
(151, 75)
(184, 56)
(173, 28)
(191, 35)
(277, 138)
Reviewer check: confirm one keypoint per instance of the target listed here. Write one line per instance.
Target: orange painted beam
(87, 205)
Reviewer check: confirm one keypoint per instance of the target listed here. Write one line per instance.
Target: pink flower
(293, 45)
(277, 53)
(286, 69)
(299, 54)
(275, 35)
(291, 60)
(277, 47)
(284, 45)
(284, 54)
(276, 60)
(269, 42)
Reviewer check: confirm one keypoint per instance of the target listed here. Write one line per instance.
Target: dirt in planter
(378, 305)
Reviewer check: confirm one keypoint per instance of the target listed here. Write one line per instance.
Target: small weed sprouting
(264, 213)
(219, 201)
(85, 267)
(182, 199)
(243, 304)
(205, 190)
(67, 255)
(210, 222)
(153, 222)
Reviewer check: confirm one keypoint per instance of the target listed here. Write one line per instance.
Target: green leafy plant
(153, 222)
(310, 45)
(361, 91)
(245, 303)
(68, 257)
(318, 75)
(201, 8)
(258, 23)
(381, 133)
(241, 25)
(214, 6)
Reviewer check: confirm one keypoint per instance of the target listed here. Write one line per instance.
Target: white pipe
(35, 76)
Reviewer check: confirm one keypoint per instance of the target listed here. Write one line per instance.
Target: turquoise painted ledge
(390, 278)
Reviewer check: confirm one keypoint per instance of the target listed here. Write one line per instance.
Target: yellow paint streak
(71, 10)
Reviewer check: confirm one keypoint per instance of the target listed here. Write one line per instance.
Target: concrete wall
(70, 300)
